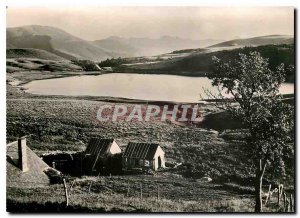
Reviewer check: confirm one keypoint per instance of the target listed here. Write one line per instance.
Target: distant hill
(63, 44)
(131, 47)
(257, 41)
(199, 64)
(56, 41)
(32, 53)
(118, 45)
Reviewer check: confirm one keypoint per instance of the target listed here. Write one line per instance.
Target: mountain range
(149, 47)
(66, 45)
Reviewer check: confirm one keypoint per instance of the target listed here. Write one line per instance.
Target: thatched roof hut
(23, 166)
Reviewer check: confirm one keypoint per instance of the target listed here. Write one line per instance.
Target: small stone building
(99, 153)
(143, 155)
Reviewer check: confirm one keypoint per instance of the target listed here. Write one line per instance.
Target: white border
(218, 3)
(73, 3)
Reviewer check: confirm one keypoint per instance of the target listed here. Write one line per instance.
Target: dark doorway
(159, 162)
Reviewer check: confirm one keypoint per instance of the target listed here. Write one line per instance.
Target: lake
(132, 86)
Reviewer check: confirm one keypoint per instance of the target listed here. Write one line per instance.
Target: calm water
(133, 86)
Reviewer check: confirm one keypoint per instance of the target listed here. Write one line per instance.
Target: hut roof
(98, 146)
(141, 150)
(35, 175)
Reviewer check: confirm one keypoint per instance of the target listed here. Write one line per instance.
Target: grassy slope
(256, 41)
(110, 194)
(59, 123)
(56, 41)
(122, 193)
(14, 65)
(65, 124)
(32, 53)
(200, 64)
(27, 59)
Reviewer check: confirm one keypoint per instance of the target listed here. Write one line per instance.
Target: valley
(216, 147)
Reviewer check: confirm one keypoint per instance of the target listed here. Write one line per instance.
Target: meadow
(55, 124)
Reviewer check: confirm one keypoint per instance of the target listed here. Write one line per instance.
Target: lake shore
(16, 81)
(25, 77)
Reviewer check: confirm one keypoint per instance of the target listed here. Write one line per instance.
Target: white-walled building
(143, 155)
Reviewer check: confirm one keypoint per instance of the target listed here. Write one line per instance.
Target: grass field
(58, 123)
(165, 192)
(124, 193)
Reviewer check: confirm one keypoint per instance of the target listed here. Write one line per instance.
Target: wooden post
(281, 190)
(278, 195)
(291, 203)
(284, 202)
(287, 207)
(66, 192)
(128, 189)
(90, 187)
(269, 194)
(73, 183)
(141, 196)
(157, 191)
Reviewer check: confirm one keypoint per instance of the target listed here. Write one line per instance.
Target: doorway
(159, 162)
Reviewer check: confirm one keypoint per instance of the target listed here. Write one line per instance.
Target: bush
(86, 65)
(113, 62)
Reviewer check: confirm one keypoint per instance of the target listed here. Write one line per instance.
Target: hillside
(199, 64)
(131, 47)
(117, 44)
(63, 44)
(257, 41)
(55, 41)
(32, 53)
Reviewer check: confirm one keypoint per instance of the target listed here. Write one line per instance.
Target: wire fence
(129, 189)
(83, 191)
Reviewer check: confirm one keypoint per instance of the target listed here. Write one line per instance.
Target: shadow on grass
(55, 207)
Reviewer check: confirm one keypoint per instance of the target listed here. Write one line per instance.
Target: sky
(95, 23)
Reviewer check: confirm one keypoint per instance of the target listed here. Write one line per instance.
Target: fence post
(278, 195)
(269, 195)
(66, 193)
(284, 202)
(73, 183)
(157, 191)
(90, 186)
(291, 203)
(128, 189)
(141, 191)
